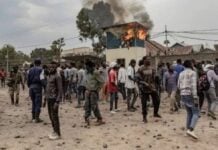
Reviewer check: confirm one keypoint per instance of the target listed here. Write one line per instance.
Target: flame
(142, 34)
(130, 34)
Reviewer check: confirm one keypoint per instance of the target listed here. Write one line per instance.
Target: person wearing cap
(35, 89)
(93, 85)
(14, 81)
(113, 86)
(53, 95)
(131, 86)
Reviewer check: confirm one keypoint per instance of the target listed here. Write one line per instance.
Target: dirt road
(122, 131)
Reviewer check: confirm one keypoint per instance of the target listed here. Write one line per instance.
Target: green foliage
(14, 57)
(56, 48)
(42, 53)
(89, 29)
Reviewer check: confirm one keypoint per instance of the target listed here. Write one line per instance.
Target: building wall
(124, 53)
(198, 57)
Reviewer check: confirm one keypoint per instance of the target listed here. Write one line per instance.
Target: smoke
(118, 11)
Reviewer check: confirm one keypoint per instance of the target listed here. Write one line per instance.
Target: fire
(142, 34)
(131, 33)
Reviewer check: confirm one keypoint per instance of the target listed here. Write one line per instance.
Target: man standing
(212, 78)
(122, 80)
(35, 89)
(93, 84)
(170, 85)
(3, 75)
(112, 86)
(14, 81)
(187, 84)
(53, 96)
(73, 77)
(131, 87)
(81, 85)
(147, 75)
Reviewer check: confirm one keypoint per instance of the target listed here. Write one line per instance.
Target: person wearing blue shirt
(179, 67)
(35, 89)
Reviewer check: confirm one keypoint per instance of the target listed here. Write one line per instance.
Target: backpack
(203, 83)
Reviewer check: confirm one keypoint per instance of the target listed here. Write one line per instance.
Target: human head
(15, 69)
(141, 63)
(122, 65)
(52, 67)
(37, 62)
(90, 66)
(72, 64)
(179, 61)
(171, 69)
(188, 64)
(113, 65)
(132, 63)
(147, 63)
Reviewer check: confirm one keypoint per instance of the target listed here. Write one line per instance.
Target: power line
(195, 38)
(46, 43)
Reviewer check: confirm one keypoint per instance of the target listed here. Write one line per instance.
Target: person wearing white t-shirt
(122, 80)
(131, 87)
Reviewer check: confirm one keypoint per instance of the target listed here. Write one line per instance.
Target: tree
(90, 29)
(44, 54)
(56, 47)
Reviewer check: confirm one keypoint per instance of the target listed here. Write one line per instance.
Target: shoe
(157, 116)
(54, 136)
(39, 120)
(145, 120)
(191, 134)
(116, 110)
(87, 121)
(100, 122)
(212, 115)
(131, 110)
(78, 106)
(112, 112)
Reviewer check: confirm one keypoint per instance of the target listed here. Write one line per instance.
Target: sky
(29, 24)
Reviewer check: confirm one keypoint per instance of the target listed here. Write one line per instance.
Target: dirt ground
(122, 131)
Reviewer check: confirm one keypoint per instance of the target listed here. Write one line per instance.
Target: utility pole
(166, 42)
(7, 57)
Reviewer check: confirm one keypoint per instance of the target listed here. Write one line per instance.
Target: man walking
(131, 87)
(35, 89)
(187, 84)
(170, 85)
(81, 85)
(122, 80)
(53, 96)
(93, 84)
(147, 76)
(14, 81)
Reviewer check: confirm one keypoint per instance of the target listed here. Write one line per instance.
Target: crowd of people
(187, 85)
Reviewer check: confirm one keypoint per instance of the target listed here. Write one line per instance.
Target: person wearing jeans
(187, 84)
(212, 78)
(170, 85)
(112, 86)
(131, 86)
(122, 80)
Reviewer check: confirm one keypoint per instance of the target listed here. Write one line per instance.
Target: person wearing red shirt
(3, 77)
(113, 87)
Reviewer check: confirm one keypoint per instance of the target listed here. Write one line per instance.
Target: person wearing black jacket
(53, 96)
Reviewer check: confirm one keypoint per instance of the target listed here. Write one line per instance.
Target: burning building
(125, 42)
